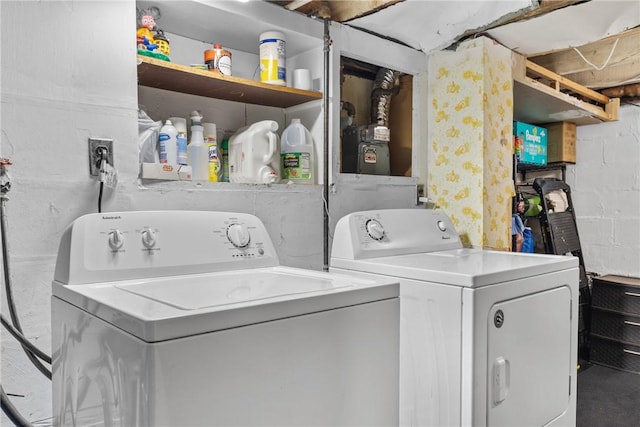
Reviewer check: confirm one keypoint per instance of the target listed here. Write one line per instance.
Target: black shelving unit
(524, 168)
(560, 236)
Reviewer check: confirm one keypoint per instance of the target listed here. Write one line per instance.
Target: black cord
(102, 164)
(24, 341)
(100, 197)
(11, 411)
(7, 282)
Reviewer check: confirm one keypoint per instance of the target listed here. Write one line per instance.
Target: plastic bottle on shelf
(197, 152)
(168, 144)
(181, 126)
(211, 141)
(224, 153)
(297, 154)
(273, 67)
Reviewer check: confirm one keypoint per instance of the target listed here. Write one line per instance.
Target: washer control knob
(148, 238)
(375, 229)
(238, 235)
(442, 225)
(116, 239)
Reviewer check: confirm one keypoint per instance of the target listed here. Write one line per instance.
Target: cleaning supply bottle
(254, 154)
(168, 144)
(181, 126)
(224, 154)
(297, 154)
(211, 141)
(197, 152)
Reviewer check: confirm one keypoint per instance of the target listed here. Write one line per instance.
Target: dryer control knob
(375, 229)
(116, 239)
(148, 238)
(238, 235)
(442, 225)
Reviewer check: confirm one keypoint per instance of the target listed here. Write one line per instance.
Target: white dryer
(180, 318)
(487, 338)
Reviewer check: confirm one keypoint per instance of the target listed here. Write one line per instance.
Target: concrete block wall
(605, 185)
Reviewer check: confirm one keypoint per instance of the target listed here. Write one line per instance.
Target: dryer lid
(461, 267)
(158, 309)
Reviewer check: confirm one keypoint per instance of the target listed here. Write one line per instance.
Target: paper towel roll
(302, 79)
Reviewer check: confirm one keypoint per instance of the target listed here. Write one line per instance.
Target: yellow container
(273, 69)
(211, 141)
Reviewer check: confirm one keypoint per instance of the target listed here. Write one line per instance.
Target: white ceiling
(569, 27)
(431, 25)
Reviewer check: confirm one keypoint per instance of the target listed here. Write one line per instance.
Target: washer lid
(166, 308)
(461, 267)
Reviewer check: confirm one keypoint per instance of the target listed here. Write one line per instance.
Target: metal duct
(385, 85)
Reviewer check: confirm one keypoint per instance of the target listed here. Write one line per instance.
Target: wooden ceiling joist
(341, 11)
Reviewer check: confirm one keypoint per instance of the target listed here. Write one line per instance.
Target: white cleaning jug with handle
(254, 154)
(297, 154)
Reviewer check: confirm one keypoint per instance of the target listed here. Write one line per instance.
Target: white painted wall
(605, 188)
(69, 73)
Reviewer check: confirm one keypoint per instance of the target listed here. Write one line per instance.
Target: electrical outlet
(95, 144)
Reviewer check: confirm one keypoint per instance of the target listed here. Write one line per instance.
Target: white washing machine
(487, 338)
(186, 318)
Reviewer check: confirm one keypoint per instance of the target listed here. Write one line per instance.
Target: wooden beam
(342, 11)
(544, 7)
(297, 4)
(533, 68)
(628, 91)
(543, 96)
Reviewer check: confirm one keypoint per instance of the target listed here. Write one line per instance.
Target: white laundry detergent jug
(254, 154)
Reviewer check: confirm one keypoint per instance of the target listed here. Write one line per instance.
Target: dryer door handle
(501, 380)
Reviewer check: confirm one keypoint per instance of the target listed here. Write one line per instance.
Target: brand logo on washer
(498, 319)
(112, 217)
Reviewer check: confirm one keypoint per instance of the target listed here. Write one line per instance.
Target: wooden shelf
(542, 96)
(184, 79)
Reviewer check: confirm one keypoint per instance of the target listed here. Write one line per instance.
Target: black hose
(11, 411)
(7, 284)
(24, 341)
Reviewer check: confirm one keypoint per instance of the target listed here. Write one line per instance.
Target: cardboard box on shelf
(530, 143)
(165, 171)
(561, 142)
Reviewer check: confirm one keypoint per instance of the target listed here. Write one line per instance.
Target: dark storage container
(617, 293)
(615, 354)
(615, 322)
(617, 326)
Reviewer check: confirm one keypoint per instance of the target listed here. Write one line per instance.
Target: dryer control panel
(125, 245)
(389, 232)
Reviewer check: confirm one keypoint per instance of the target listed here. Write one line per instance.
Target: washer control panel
(110, 246)
(238, 234)
(374, 229)
(388, 232)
